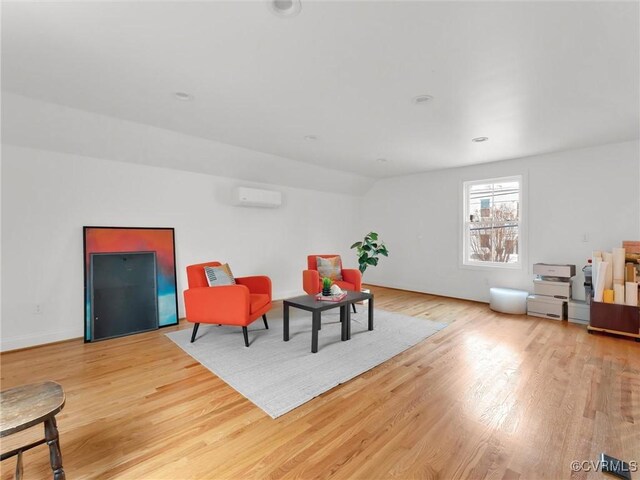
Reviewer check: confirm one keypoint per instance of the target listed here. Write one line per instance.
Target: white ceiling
(534, 77)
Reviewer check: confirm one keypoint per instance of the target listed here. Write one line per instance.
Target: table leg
(314, 332)
(55, 456)
(347, 322)
(371, 313)
(285, 322)
(343, 323)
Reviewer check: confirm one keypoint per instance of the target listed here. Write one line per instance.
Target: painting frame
(116, 239)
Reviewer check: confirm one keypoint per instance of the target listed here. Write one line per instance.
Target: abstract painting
(130, 239)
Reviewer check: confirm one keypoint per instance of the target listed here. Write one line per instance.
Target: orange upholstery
(257, 301)
(312, 283)
(239, 304)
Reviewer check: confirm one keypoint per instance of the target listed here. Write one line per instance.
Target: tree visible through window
(492, 219)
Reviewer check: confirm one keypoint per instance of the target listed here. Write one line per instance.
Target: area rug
(279, 376)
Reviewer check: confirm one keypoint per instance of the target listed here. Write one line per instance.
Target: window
(492, 222)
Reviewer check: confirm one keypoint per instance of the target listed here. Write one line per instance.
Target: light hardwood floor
(491, 396)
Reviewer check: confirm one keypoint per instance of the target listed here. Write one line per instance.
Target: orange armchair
(312, 283)
(239, 304)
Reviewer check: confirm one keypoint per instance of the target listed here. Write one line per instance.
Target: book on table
(331, 298)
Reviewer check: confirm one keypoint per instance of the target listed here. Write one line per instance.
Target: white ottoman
(508, 300)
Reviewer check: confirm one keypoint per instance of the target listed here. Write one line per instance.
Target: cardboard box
(631, 246)
(561, 290)
(546, 307)
(554, 270)
(578, 312)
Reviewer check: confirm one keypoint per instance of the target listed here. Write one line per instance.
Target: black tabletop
(309, 302)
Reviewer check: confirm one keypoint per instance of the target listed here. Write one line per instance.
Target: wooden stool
(26, 406)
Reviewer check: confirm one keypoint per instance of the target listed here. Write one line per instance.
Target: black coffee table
(316, 307)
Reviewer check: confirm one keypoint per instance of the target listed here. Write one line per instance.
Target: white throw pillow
(217, 276)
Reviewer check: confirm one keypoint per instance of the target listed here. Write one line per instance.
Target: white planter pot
(364, 302)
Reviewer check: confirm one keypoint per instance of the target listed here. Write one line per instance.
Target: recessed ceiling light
(310, 137)
(479, 139)
(185, 97)
(381, 160)
(422, 99)
(285, 8)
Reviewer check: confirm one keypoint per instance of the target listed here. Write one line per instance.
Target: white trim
(463, 224)
(433, 291)
(37, 339)
(491, 265)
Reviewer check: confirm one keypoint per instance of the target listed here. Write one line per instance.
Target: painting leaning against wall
(131, 239)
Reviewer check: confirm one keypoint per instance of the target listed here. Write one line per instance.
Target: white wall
(61, 171)
(32, 123)
(594, 191)
(47, 198)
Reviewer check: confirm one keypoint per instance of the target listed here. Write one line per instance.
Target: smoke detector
(285, 8)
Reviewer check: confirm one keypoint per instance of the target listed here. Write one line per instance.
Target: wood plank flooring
(491, 396)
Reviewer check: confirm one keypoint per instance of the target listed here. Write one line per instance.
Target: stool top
(26, 406)
(507, 291)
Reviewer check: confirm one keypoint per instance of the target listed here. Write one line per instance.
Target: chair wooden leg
(55, 456)
(354, 307)
(246, 336)
(195, 330)
(19, 467)
(264, 319)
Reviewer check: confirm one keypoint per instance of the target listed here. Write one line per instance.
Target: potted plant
(326, 286)
(368, 251)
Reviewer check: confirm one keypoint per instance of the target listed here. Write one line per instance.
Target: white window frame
(466, 262)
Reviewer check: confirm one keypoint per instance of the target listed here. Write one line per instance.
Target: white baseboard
(440, 293)
(35, 339)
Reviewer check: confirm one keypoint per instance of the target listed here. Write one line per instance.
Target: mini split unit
(254, 197)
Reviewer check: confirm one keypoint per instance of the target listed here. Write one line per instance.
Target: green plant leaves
(368, 250)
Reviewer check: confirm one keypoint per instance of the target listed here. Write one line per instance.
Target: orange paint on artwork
(133, 240)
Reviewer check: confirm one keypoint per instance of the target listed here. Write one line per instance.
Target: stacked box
(561, 290)
(552, 290)
(578, 312)
(546, 307)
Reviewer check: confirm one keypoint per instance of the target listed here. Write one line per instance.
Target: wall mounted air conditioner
(255, 197)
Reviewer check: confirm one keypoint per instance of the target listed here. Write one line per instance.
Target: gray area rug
(279, 376)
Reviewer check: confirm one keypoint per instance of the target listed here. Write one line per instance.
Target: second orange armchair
(312, 280)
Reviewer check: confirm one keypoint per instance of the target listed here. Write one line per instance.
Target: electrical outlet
(37, 309)
(585, 237)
